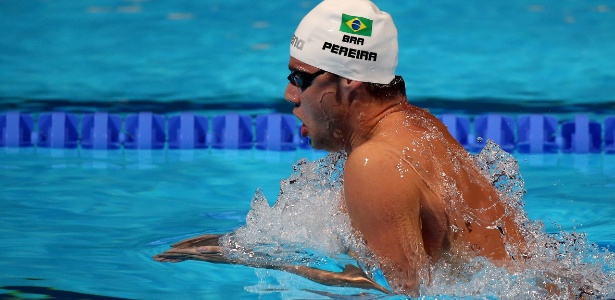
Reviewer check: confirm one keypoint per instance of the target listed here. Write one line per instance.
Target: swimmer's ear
(350, 84)
(350, 88)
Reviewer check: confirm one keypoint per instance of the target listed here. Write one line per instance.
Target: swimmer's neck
(366, 119)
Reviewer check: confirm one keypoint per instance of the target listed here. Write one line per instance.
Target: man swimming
(412, 193)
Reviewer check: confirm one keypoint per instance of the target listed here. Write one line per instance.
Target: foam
(306, 226)
(306, 217)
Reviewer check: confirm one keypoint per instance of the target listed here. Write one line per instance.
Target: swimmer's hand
(352, 276)
(206, 248)
(203, 248)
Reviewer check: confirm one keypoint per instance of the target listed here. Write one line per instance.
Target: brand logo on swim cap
(356, 25)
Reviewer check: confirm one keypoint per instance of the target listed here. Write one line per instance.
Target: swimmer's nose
(291, 94)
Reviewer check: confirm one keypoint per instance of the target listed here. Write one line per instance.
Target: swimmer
(413, 194)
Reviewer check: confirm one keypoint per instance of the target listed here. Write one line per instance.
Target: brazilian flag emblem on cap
(356, 25)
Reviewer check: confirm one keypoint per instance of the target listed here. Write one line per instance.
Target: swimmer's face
(317, 105)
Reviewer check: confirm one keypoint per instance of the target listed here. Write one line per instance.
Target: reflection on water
(35, 292)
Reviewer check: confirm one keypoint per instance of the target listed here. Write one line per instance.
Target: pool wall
(532, 133)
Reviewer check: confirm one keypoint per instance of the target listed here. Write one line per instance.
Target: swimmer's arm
(382, 201)
(206, 248)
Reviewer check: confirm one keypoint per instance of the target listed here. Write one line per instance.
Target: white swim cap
(350, 38)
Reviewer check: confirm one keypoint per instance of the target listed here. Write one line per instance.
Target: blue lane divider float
(145, 130)
(232, 131)
(276, 132)
(58, 130)
(609, 135)
(187, 131)
(495, 127)
(581, 136)
(535, 133)
(16, 130)
(101, 131)
(459, 127)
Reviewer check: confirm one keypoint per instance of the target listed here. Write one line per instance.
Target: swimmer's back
(460, 210)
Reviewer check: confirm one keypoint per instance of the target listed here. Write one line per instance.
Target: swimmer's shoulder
(373, 152)
(381, 162)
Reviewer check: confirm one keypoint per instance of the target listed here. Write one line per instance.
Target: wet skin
(206, 248)
(411, 191)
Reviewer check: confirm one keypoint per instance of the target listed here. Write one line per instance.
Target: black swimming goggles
(303, 80)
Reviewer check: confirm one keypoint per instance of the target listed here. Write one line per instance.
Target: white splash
(307, 226)
(306, 217)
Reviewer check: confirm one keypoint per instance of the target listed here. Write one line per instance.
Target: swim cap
(349, 38)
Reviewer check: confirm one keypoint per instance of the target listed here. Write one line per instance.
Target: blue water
(522, 55)
(88, 222)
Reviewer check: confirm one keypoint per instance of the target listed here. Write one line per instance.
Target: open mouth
(303, 130)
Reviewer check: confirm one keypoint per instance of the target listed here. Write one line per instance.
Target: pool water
(84, 224)
(524, 55)
(84, 221)
(90, 224)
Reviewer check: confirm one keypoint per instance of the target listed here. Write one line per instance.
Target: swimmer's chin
(325, 147)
